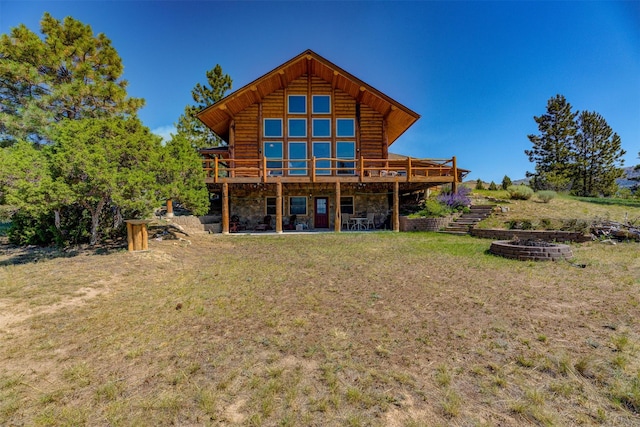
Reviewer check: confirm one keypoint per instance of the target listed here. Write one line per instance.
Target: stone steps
(465, 222)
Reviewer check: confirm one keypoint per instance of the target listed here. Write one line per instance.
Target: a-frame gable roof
(219, 115)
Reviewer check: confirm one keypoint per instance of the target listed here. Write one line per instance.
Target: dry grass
(409, 329)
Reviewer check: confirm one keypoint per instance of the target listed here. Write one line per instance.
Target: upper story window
(297, 104)
(321, 104)
(345, 128)
(298, 128)
(321, 127)
(273, 128)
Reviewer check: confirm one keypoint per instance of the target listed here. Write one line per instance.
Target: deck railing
(331, 169)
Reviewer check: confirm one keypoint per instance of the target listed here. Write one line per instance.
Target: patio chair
(371, 220)
(346, 220)
(292, 223)
(265, 224)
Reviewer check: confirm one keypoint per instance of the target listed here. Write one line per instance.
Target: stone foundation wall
(546, 235)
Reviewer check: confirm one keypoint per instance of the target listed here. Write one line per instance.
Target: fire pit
(531, 250)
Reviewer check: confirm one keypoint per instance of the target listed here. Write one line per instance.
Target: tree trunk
(95, 220)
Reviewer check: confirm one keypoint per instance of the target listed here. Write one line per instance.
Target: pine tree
(69, 74)
(479, 184)
(551, 150)
(506, 182)
(598, 157)
(189, 127)
(493, 186)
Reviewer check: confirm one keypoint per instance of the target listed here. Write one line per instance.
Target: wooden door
(321, 215)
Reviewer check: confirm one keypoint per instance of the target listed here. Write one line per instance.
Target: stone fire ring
(549, 252)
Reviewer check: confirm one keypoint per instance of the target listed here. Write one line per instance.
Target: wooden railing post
(337, 225)
(279, 206)
(361, 168)
(264, 169)
(313, 169)
(454, 186)
(409, 169)
(396, 206)
(215, 170)
(225, 208)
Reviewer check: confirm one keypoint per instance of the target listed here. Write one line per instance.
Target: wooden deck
(331, 170)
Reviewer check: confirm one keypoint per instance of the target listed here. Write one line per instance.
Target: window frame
(274, 171)
(345, 119)
(343, 205)
(296, 119)
(302, 161)
(313, 104)
(326, 163)
(304, 97)
(313, 127)
(272, 205)
(305, 205)
(346, 170)
(264, 127)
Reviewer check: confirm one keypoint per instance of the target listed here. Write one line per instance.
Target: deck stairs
(467, 221)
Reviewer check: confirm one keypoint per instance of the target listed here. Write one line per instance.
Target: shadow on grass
(31, 254)
(609, 202)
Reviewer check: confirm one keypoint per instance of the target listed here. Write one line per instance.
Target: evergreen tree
(506, 182)
(479, 184)
(493, 186)
(189, 127)
(598, 157)
(69, 74)
(551, 151)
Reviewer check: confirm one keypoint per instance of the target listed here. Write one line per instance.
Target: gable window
(297, 104)
(322, 150)
(346, 205)
(297, 205)
(321, 104)
(321, 128)
(298, 128)
(273, 153)
(345, 150)
(297, 158)
(345, 128)
(273, 128)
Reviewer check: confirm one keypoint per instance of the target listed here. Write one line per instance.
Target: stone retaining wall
(546, 235)
(424, 224)
(531, 253)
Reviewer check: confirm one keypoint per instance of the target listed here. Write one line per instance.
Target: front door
(321, 216)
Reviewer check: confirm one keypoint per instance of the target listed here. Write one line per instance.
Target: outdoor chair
(346, 220)
(371, 220)
(292, 223)
(265, 224)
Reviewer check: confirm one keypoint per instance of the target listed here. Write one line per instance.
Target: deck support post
(169, 208)
(337, 222)
(454, 186)
(279, 206)
(396, 206)
(225, 208)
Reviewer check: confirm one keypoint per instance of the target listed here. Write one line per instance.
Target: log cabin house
(310, 141)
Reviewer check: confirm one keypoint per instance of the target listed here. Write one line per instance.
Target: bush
(493, 186)
(520, 192)
(546, 195)
(456, 201)
(432, 209)
(479, 184)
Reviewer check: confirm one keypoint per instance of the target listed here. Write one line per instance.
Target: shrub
(433, 209)
(520, 224)
(506, 182)
(493, 186)
(546, 195)
(456, 201)
(520, 192)
(479, 184)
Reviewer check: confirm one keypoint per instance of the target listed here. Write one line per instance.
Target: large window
(273, 153)
(297, 104)
(298, 128)
(297, 158)
(345, 128)
(270, 206)
(297, 205)
(273, 128)
(322, 149)
(346, 150)
(321, 104)
(346, 205)
(321, 128)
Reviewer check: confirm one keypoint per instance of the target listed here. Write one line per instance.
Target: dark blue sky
(477, 72)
